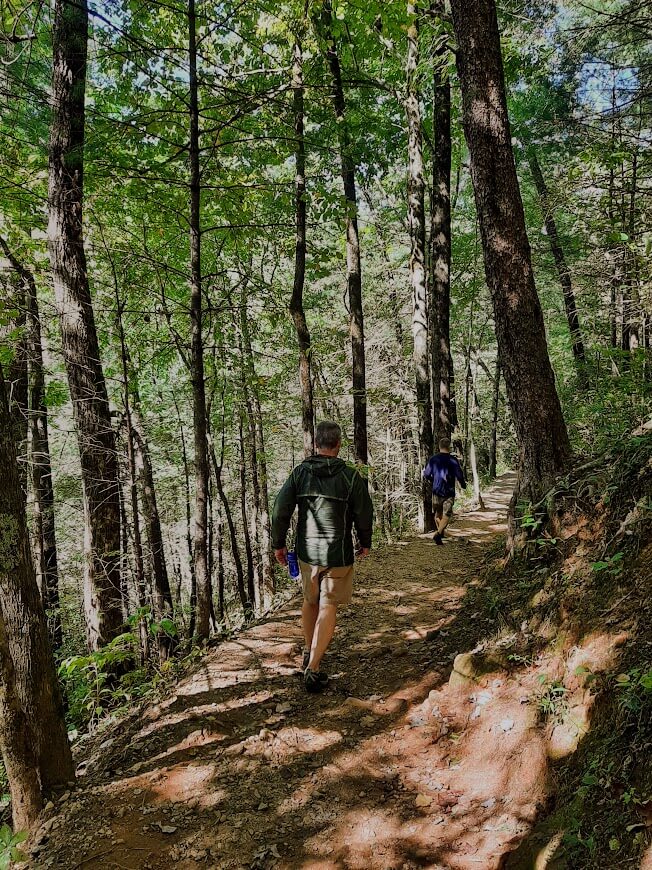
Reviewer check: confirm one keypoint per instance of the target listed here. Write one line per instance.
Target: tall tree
(39, 455)
(202, 469)
(529, 380)
(560, 260)
(296, 301)
(416, 224)
(324, 24)
(95, 436)
(440, 241)
(23, 616)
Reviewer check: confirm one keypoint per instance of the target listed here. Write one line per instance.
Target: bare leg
(439, 513)
(443, 522)
(309, 614)
(323, 634)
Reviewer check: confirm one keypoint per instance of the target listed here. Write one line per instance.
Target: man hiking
(331, 498)
(442, 471)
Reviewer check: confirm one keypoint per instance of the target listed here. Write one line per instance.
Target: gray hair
(328, 435)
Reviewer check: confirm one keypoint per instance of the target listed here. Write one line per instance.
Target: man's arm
(428, 472)
(362, 510)
(284, 506)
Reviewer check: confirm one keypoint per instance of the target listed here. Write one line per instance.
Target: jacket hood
(324, 466)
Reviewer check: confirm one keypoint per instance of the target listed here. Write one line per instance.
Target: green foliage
(9, 843)
(551, 700)
(90, 681)
(635, 692)
(612, 565)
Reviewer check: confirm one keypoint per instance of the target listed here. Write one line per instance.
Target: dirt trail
(390, 768)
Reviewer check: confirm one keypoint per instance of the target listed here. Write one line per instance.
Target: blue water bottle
(293, 564)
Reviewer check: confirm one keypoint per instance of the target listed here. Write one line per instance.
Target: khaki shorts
(446, 504)
(330, 585)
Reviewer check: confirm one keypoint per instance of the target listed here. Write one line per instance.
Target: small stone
(423, 800)
(506, 725)
(64, 797)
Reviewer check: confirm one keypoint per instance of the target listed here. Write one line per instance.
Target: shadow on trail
(258, 774)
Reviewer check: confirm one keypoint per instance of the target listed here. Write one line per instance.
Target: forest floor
(403, 762)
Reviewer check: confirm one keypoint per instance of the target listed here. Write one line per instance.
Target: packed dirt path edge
(392, 767)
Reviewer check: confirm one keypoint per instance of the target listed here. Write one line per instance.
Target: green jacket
(331, 497)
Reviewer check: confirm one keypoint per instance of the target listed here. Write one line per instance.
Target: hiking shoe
(437, 539)
(314, 681)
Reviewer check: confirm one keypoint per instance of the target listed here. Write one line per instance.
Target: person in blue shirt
(442, 471)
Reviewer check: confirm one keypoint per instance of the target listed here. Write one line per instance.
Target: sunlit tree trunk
(200, 540)
(417, 265)
(296, 302)
(324, 25)
(529, 380)
(96, 438)
(34, 675)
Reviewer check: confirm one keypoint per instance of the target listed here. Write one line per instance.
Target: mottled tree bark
(529, 379)
(440, 246)
(324, 24)
(296, 302)
(417, 264)
(563, 272)
(96, 439)
(24, 620)
(17, 744)
(200, 540)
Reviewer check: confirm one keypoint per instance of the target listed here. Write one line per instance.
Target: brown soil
(392, 767)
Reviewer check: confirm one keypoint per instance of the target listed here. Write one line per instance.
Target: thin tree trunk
(17, 371)
(162, 594)
(560, 261)
(139, 560)
(416, 223)
(242, 469)
(541, 430)
(23, 617)
(188, 500)
(235, 548)
(259, 461)
(296, 302)
(440, 246)
(493, 444)
(324, 26)
(219, 540)
(200, 552)
(97, 450)
(39, 449)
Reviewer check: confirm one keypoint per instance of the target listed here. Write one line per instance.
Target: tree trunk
(200, 551)
(17, 371)
(440, 247)
(259, 460)
(139, 559)
(96, 439)
(493, 444)
(162, 595)
(560, 262)
(235, 548)
(324, 26)
(541, 430)
(296, 302)
(39, 450)
(17, 743)
(24, 621)
(242, 469)
(416, 224)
